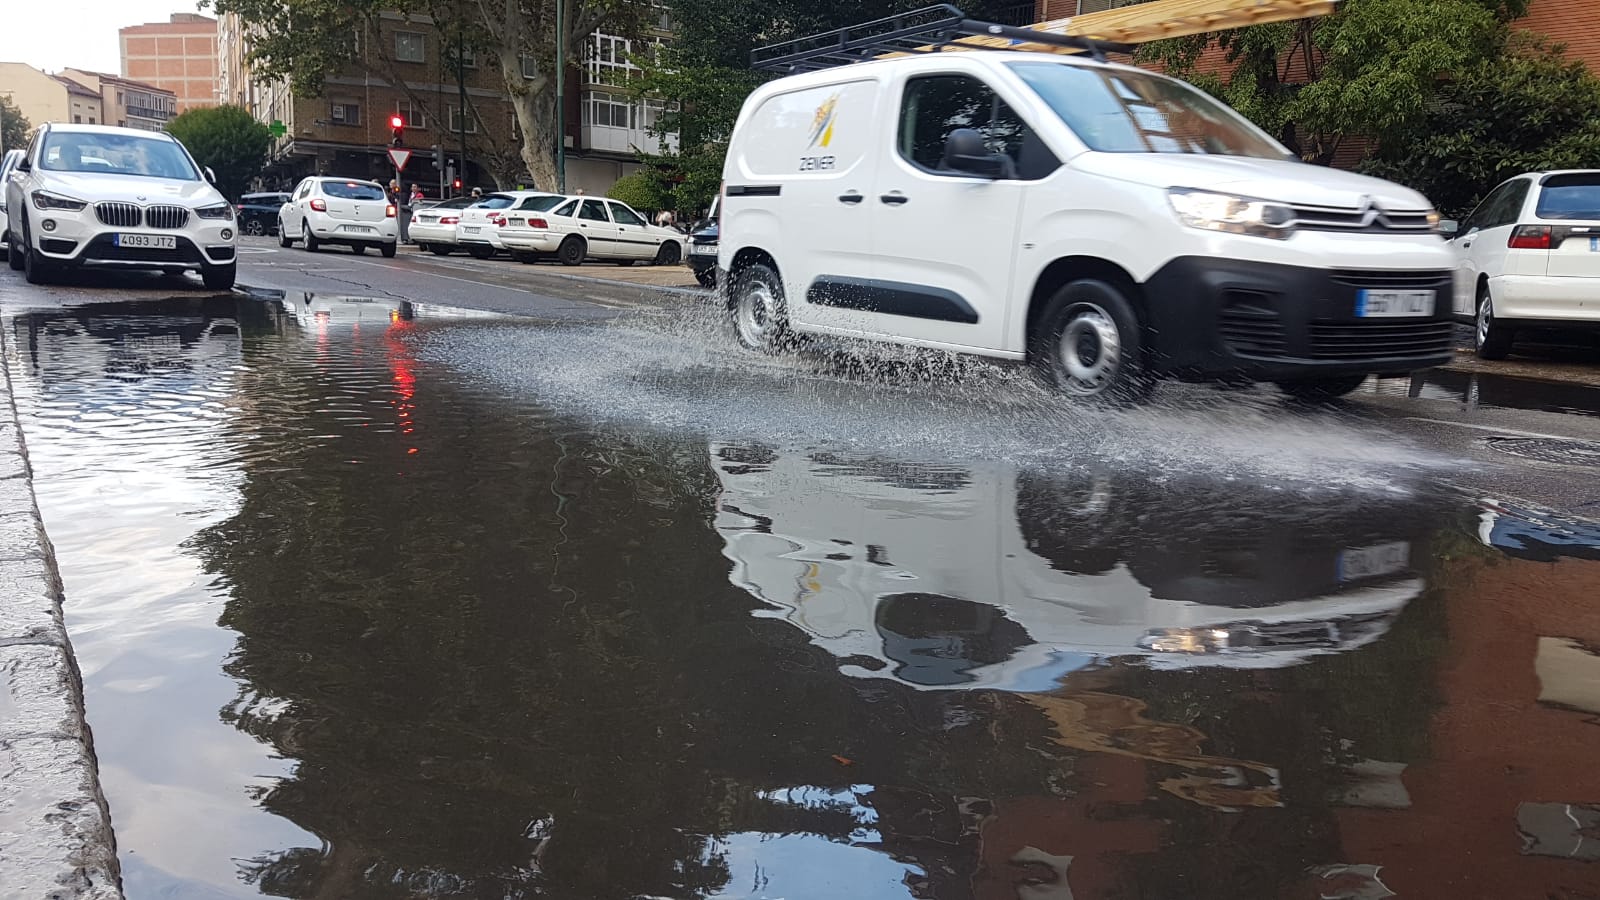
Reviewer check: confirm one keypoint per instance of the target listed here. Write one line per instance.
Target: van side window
(935, 105)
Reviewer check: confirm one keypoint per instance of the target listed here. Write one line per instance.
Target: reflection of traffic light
(397, 127)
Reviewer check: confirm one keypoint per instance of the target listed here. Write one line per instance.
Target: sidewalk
(55, 831)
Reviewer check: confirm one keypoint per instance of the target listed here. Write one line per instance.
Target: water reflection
(986, 575)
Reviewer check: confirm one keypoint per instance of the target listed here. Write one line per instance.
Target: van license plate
(1387, 304)
(1372, 562)
(148, 241)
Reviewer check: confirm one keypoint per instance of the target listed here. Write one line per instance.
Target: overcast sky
(55, 34)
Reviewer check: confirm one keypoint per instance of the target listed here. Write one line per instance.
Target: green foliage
(16, 128)
(226, 138)
(1527, 110)
(643, 190)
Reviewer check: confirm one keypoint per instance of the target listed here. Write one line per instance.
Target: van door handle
(895, 199)
(851, 198)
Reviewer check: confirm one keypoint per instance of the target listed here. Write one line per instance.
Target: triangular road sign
(399, 157)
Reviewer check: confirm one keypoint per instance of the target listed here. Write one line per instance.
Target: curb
(56, 841)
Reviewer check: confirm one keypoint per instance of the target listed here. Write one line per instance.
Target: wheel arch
(1068, 269)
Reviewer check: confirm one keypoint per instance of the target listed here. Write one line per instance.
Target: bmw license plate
(148, 241)
(472, 229)
(1390, 304)
(1374, 561)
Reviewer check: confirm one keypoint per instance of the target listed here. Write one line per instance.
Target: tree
(1527, 110)
(227, 139)
(16, 128)
(643, 190)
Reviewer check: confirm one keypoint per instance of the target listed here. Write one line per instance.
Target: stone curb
(56, 841)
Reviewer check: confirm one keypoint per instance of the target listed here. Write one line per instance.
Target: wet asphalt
(382, 592)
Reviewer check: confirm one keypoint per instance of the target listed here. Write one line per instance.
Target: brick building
(179, 55)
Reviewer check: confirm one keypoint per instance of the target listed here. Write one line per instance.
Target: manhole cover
(1550, 450)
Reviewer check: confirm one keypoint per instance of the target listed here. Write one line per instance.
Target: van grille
(1372, 219)
(166, 217)
(1378, 279)
(1370, 340)
(118, 215)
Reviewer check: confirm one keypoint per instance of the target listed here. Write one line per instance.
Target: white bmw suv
(97, 195)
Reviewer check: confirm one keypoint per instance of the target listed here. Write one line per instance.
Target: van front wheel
(760, 318)
(1088, 344)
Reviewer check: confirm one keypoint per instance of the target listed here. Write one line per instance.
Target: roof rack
(927, 30)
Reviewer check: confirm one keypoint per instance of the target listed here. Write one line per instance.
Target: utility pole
(461, 85)
(561, 97)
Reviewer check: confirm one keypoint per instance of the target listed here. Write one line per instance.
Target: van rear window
(1575, 196)
(352, 190)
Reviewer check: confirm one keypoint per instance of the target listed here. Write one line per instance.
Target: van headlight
(47, 200)
(1234, 215)
(220, 211)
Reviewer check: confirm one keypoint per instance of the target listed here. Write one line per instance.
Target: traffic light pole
(461, 85)
(561, 97)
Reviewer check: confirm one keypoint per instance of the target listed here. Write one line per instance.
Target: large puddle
(376, 601)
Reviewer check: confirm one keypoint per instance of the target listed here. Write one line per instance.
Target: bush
(643, 190)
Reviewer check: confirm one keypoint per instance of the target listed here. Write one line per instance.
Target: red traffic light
(456, 184)
(397, 122)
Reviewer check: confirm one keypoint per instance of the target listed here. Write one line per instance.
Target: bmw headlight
(220, 211)
(1234, 215)
(47, 200)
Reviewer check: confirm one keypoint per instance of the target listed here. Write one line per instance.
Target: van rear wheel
(1088, 344)
(760, 316)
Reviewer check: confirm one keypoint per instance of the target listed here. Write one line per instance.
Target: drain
(1550, 450)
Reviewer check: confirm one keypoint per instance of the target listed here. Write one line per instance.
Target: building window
(607, 110)
(413, 115)
(410, 47)
(455, 121)
(77, 120)
(346, 114)
(91, 120)
(608, 59)
(468, 57)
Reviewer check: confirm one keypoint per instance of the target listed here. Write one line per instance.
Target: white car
(1106, 224)
(102, 196)
(8, 164)
(433, 227)
(478, 232)
(348, 211)
(592, 228)
(1530, 258)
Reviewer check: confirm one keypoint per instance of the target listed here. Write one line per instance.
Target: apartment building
(346, 130)
(128, 103)
(42, 97)
(179, 55)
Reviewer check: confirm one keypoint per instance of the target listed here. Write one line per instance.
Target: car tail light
(498, 221)
(389, 210)
(538, 223)
(319, 205)
(1530, 237)
(449, 220)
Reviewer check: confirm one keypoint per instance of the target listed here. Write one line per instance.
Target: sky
(55, 34)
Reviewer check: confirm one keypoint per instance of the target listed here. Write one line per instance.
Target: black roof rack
(926, 30)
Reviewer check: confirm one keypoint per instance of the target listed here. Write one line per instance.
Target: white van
(1104, 223)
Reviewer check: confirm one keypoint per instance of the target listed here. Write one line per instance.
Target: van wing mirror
(965, 152)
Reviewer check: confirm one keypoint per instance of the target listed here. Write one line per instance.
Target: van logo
(822, 122)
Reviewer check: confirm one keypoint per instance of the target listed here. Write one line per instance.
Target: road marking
(1491, 428)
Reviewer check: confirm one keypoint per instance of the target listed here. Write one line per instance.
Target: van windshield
(1118, 111)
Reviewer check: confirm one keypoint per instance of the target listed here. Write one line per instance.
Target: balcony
(147, 112)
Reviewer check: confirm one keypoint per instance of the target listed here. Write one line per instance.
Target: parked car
(1106, 224)
(702, 248)
(345, 211)
(1529, 258)
(433, 227)
(103, 196)
(596, 228)
(8, 165)
(258, 213)
(478, 232)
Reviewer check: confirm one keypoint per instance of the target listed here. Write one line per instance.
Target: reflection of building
(179, 55)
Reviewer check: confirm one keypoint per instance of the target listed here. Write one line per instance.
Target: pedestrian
(416, 194)
(477, 193)
(665, 218)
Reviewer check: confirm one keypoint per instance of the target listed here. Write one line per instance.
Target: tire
(759, 312)
(479, 251)
(423, 248)
(14, 253)
(312, 244)
(283, 236)
(219, 278)
(707, 279)
(440, 249)
(254, 228)
(670, 254)
(388, 250)
(1490, 338)
(1089, 344)
(358, 249)
(34, 267)
(572, 251)
(1321, 390)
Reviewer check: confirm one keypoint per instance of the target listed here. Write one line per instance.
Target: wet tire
(1321, 390)
(1491, 338)
(219, 278)
(759, 312)
(480, 252)
(283, 236)
(388, 250)
(312, 244)
(34, 266)
(670, 254)
(14, 253)
(572, 251)
(1088, 344)
(440, 249)
(706, 279)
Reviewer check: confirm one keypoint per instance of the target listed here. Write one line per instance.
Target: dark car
(258, 213)
(702, 248)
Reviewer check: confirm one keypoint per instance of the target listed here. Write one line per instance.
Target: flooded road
(375, 601)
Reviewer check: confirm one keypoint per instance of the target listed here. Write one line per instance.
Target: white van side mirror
(965, 152)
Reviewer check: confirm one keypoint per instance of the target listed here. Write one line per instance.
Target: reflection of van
(1105, 223)
(981, 575)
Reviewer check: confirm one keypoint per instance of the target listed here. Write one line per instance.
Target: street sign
(399, 157)
(277, 128)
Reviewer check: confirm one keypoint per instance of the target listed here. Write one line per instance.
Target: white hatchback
(592, 228)
(345, 211)
(102, 196)
(1529, 258)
